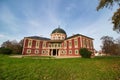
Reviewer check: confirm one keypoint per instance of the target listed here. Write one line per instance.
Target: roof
(38, 37)
(58, 30)
(53, 41)
(44, 38)
(78, 35)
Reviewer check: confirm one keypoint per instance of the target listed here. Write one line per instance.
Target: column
(48, 52)
(52, 52)
(56, 52)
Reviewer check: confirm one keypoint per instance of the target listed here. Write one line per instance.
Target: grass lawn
(99, 68)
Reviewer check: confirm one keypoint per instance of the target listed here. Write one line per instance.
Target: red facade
(58, 45)
(46, 47)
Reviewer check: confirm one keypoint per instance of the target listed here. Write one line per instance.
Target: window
(59, 38)
(43, 52)
(65, 44)
(58, 45)
(62, 51)
(70, 44)
(49, 45)
(44, 44)
(37, 44)
(36, 51)
(55, 45)
(28, 51)
(76, 43)
(88, 44)
(84, 43)
(46, 51)
(29, 43)
(65, 51)
(70, 51)
(76, 52)
(53, 37)
(52, 45)
(91, 44)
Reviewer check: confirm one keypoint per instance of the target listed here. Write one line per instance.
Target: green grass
(39, 57)
(99, 68)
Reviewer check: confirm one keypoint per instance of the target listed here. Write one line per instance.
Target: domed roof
(58, 30)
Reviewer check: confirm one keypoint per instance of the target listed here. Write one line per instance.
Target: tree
(6, 44)
(15, 46)
(5, 51)
(118, 46)
(108, 46)
(20, 46)
(116, 15)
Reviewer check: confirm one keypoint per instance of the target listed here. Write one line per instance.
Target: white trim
(44, 44)
(30, 41)
(70, 51)
(37, 45)
(76, 51)
(43, 51)
(28, 51)
(65, 44)
(24, 40)
(58, 36)
(36, 51)
(76, 41)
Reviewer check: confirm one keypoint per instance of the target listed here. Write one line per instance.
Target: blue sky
(21, 18)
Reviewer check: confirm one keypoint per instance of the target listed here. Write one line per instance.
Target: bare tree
(15, 46)
(107, 45)
(110, 46)
(118, 46)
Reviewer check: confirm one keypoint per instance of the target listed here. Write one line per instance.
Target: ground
(49, 68)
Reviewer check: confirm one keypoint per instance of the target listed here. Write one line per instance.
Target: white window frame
(29, 43)
(44, 44)
(37, 44)
(65, 44)
(28, 51)
(76, 51)
(76, 43)
(36, 51)
(70, 51)
(43, 51)
(49, 45)
(65, 51)
(46, 51)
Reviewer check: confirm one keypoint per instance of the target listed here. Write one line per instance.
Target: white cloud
(2, 36)
(70, 7)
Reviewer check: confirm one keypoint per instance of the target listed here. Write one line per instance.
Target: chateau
(58, 45)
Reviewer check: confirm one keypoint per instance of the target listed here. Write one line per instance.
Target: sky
(23, 18)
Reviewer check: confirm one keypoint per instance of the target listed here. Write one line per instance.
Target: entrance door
(55, 52)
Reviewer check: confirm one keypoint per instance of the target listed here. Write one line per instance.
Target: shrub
(5, 51)
(85, 53)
